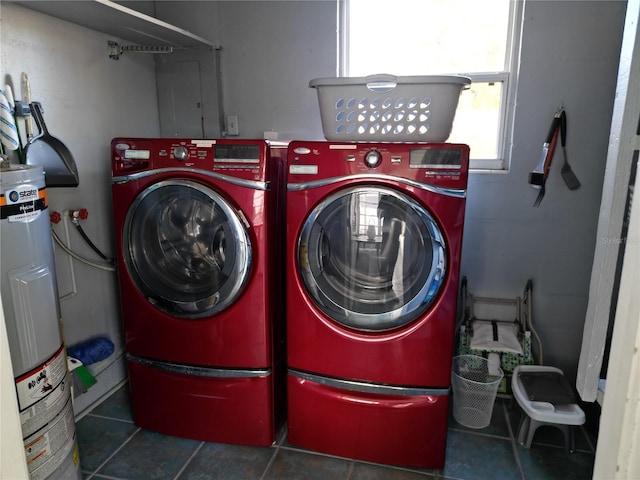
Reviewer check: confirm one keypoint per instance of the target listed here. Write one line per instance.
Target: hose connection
(77, 215)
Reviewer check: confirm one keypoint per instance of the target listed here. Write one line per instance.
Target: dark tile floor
(112, 447)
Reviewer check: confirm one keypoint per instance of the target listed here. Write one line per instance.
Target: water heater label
(22, 203)
(48, 448)
(42, 393)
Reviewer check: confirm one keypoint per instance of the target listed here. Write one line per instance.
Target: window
(436, 37)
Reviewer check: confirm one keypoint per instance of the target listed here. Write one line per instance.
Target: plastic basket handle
(381, 83)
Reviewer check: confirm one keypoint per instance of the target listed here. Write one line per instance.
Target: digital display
(237, 153)
(137, 154)
(435, 158)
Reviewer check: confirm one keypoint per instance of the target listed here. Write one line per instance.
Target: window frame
(508, 78)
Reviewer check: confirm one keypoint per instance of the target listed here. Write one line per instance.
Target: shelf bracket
(115, 49)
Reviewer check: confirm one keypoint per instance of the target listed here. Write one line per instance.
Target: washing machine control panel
(244, 159)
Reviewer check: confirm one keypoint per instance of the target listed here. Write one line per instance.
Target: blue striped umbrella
(8, 130)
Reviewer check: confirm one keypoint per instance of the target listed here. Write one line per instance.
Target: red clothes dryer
(374, 235)
(198, 229)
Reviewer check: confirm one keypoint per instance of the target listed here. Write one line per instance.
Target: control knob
(181, 153)
(373, 158)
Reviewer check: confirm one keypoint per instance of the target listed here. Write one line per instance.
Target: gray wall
(270, 51)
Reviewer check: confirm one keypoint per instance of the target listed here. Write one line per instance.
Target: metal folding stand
(498, 328)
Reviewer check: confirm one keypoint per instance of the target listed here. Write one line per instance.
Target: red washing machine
(374, 235)
(198, 229)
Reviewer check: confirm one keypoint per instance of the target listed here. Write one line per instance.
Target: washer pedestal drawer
(409, 430)
(213, 409)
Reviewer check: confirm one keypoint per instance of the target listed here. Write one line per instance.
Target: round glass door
(186, 248)
(371, 258)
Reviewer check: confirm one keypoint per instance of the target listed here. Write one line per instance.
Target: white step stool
(536, 413)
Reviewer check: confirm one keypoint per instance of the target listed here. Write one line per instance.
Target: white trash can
(474, 382)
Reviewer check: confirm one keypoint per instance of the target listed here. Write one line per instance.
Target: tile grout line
(514, 441)
(106, 417)
(479, 434)
(352, 466)
(271, 460)
(402, 468)
(282, 431)
(415, 470)
(186, 464)
(354, 462)
(106, 477)
(115, 452)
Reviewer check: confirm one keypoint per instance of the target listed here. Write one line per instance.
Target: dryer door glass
(186, 248)
(372, 258)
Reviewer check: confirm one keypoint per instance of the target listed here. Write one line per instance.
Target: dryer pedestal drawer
(409, 430)
(237, 410)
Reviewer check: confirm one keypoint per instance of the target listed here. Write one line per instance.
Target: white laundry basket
(474, 381)
(387, 108)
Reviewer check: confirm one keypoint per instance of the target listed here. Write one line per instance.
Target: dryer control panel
(440, 164)
(244, 159)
